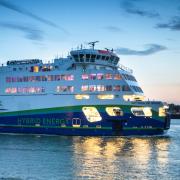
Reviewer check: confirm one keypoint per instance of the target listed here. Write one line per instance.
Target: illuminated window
(92, 88)
(105, 96)
(81, 96)
(84, 88)
(92, 114)
(68, 77)
(141, 111)
(84, 76)
(114, 111)
(100, 76)
(162, 111)
(108, 76)
(100, 88)
(133, 97)
(36, 69)
(117, 77)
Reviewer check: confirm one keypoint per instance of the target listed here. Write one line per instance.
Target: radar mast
(92, 44)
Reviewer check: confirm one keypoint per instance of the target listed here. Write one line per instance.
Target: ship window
(81, 96)
(100, 88)
(84, 76)
(68, 77)
(84, 88)
(126, 88)
(36, 69)
(98, 57)
(100, 76)
(93, 58)
(108, 76)
(162, 112)
(112, 58)
(117, 77)
(87, 57)
(133, 98)
(65, 89)
(92, 88)
(114, 111)
(107, 58)
(76, 58)
(81, 57)
(105, 96)
(141, 111)
(117, 88)
(92, 76)
(108, 88)
(103, 57)
(92, 114)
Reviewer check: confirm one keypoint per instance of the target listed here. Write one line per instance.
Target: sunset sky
(144, 33)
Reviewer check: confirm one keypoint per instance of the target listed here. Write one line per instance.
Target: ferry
(88, 93)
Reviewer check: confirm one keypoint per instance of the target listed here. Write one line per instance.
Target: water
(31, 157)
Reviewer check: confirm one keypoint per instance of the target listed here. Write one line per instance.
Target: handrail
(124, 68)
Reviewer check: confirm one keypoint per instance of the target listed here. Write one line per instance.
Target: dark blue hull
(75, 124)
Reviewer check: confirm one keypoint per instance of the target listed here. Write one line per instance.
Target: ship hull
(71, 121)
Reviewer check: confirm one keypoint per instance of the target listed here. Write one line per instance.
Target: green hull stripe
(70, 127)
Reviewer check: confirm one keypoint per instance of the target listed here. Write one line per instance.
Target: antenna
(93, 44)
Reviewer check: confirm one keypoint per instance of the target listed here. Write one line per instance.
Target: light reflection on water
(60, 157)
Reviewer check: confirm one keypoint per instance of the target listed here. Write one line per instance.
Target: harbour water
(32, 157)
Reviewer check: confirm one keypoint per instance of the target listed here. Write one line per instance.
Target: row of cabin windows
(137, 89)
(67, 77)
(92, 88)
(129, 77)
(93, 57)
(24, 90)
(101, 76)
(70, 89)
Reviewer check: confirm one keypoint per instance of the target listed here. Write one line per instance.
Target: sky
(144, 33)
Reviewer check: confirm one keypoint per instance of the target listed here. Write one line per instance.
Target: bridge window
(93, 58)
(76, 57)
(98, 57)
(114, 111)
(103, 57)
(92, 114)
(87, 57)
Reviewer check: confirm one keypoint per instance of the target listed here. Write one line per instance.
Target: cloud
(151, 49)
(30, 33)
(130, 8)
(173, 24)
(113, 28)
(23, 11)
